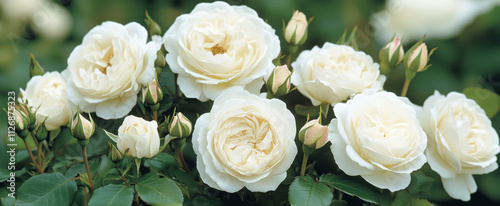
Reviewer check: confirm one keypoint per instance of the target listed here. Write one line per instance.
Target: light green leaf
(158, 191)
(111, 135)
(352, 186)
(111, 195)
(488, 100)
(47, 189)
(305, 191)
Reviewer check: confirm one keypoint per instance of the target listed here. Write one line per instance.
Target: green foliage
(111, 195)
(354, 186)
(488, 100)
(158, 191)
(306, 191)
(47, 189)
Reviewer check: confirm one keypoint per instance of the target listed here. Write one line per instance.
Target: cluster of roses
(225, 53)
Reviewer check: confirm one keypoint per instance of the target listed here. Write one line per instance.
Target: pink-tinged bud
(278, 83)
(81, 128)
(392, 53)
(418, 58)
(21, 121)
(313, 134)
(180, 126)
(296, 29)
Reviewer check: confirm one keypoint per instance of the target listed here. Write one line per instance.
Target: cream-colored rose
(413, 19)
(47, 95)
(218, 47)
(245, 141)
(462, 142)
(139, 136)
(108, 69)
(334, 72)
(377, 135)
(52, 21)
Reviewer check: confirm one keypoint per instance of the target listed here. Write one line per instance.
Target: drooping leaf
(305, 191)
(111, 195)
(488, 100)
(354, 186)
(158, 191)
(47, 189)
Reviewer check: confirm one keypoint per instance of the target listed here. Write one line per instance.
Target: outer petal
(116, 108)
(460, 187)
(388, 180)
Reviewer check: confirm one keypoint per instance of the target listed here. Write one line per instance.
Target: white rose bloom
(47, 93)
(462, 142)
(413, 19)
(109, 67)
(245, 141)
(18, 9)
(52, 21)
(377, 135)
(218, 47)
(332, 73)
(139, 136)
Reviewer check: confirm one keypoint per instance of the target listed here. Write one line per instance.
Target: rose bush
(218, 47)
(108, 69)
(462, 142)
(47, 95)
(245, 141)
(334, 72)
(139, 136)
(377, 135)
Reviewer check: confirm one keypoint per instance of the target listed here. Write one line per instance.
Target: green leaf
(488, 100)
(160, 162)
(420, 183)
(47, 189)
(419, 202)
(158, 191)
(111, 135)
(112, 194)
(312, 111)
(339, 203)
(354, 186)
(305, 191)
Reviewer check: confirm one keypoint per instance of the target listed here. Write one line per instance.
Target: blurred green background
(472, 58)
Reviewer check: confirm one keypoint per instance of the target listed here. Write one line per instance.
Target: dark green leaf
(339, 203)
(111, 195)
(312, 111)
(47, 189)
(420, 183)
(305, 191)
(158, 191)
(354, 186)
(161, 162)
(488, 100)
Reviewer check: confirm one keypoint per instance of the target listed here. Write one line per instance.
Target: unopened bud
(35, 68)
(114, 154)
(41, 132)
(417, 60)
(160, 59)
(21, 119)
(296, 30)
(153, 93)
(392, 54)
(81, 128)
(180, 126)
(313, 134)
(153, 27)
(279, 81)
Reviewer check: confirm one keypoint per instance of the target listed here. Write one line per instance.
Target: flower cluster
(225, 55)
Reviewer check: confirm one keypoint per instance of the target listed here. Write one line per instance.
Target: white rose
(109, 67)
(332, 73)
(218, 47)
(377, 135)
(462, 142)
(413, 19)
(52, 21)
(245, 141)
(47, 95)
(139, 136)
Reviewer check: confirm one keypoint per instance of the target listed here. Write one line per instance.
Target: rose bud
(21, 120)
(81, 128)
(138, 137)
(392, 54)
(160, 59)
(35, 68)
(279, 81)
(296, 29)
(153, 27)
(313, 134)
(41, 132)
(418, 58)
(153, 93)
(114, 154)
(180, 126)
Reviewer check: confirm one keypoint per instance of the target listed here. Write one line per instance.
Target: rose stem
(405, 88)
(289, 59)
(155, 117)
(304, 164)
(32, 157)
(84, 151)
(183, 162)
(39, 153)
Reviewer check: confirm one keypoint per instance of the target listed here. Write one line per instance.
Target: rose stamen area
(217, 50)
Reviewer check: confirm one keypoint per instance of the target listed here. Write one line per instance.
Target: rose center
(217, 50)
